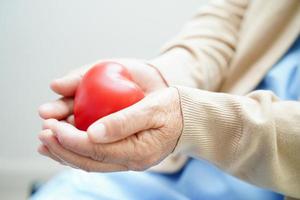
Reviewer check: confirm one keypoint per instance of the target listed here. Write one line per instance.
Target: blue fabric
(284, 77)
(197, 180)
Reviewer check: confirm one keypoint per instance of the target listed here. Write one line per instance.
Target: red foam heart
(106, 88)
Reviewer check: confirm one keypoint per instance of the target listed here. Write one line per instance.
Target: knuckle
(125, 167)
(117, 124)
(84, 167)
(151, 161)
(122, 116)
(62, 163)
(98, 153)
(136, 166)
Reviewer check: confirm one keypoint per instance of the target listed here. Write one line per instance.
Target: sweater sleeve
(254, 137)
(199, 55)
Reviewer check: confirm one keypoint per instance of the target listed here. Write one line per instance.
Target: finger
(59, 109)
(122, 124)
(70, 137)
(67, 85)
(73, 159)
(43, 150)
(78, 142)
(69, 120)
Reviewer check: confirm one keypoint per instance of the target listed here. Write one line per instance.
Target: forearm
(199, 56)
(254, 137)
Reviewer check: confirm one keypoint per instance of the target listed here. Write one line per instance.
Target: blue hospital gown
(197, 180)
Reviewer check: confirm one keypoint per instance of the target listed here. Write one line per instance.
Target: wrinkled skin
(134, 138)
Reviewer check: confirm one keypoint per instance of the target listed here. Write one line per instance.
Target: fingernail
(97, 132)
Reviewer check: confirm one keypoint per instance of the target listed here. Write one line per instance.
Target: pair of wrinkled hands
(135, 138)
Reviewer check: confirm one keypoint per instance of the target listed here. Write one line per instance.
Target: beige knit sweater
(227, 48)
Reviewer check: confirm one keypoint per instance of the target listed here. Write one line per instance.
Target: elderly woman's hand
(144, 75)
(134, 138)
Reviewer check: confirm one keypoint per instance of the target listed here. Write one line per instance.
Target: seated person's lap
(197, 180)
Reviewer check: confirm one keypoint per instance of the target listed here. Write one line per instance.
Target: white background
(41, 40)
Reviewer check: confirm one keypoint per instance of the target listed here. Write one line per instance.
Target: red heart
(106, 88)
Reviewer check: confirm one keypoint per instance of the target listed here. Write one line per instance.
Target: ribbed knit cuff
(212, 125)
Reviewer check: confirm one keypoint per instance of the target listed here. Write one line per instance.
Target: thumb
(122, 124)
